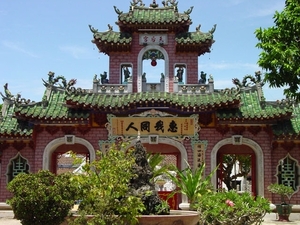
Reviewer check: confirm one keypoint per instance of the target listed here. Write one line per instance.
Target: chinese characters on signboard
(167, 126)
(153, 39)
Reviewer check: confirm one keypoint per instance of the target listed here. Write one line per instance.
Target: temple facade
(183, 116)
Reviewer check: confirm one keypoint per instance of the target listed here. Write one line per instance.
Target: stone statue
(202, 79)
(144, 77)
(180, 74)
(162, 77)
(126, 74)
(104, 79)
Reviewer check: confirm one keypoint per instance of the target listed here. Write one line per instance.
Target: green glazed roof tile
(12, 127)
(146, 15)
(146, 98)
(54, 110)
(112, 37)
(251, 109)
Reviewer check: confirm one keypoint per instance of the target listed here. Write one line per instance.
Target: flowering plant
(230, 207)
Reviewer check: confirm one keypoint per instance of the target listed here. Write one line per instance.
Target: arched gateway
(256, 165)
(48, 160)
(181, 113)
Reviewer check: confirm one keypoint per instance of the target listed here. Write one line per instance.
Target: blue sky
(38, 36)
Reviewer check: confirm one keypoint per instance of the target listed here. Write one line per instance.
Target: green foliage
(229, 161)
(42, 198)
(227, 208)
(156, 163)
(191, 182)
(281, 190)
(280, 45)
(104, 189)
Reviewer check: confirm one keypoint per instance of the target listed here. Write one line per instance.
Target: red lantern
(153, 62)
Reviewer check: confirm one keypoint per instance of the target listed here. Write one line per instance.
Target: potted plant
(42, 197)
(117, 188)
(283, 209)
(191, 182)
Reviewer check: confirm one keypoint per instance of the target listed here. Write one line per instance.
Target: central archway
(183, 158)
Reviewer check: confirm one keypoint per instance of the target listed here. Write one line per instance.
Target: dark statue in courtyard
(142, 184)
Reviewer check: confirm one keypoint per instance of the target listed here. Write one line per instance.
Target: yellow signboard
(164, 126)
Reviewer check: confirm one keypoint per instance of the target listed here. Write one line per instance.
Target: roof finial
(189, 10)
(119, 12)
(154, 5)
(213, 29)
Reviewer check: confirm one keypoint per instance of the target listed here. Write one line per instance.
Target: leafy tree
(280, 45)
(229, 162)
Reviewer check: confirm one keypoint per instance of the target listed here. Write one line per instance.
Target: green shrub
(105, 192)
(41, 198)
(227, 208)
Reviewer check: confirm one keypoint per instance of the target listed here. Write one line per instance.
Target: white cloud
(76, 51)
(18, 48)
(229, 66)
(267, 10)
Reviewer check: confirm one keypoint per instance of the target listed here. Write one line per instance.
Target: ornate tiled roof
(11, 127)
(164, 19)
(183, 103)
(289, 128)
(62, 104)
(111, 41)
(51, 110)
(252, 109)
(154, 17)
(195, 41)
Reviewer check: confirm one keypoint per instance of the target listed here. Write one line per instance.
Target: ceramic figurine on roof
(6, 92)
(211, 124)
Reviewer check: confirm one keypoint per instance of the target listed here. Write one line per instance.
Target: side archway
(51, 147)
(259, 161)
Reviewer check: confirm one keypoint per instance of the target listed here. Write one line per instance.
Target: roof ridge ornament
(135, 2)
(172, 2)
(249, 80)
(154, 5)
(13, 98)
(7, 93)
(119, 12)
(93, 29)
(110, 28)
(189, 10)
(213, 29)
